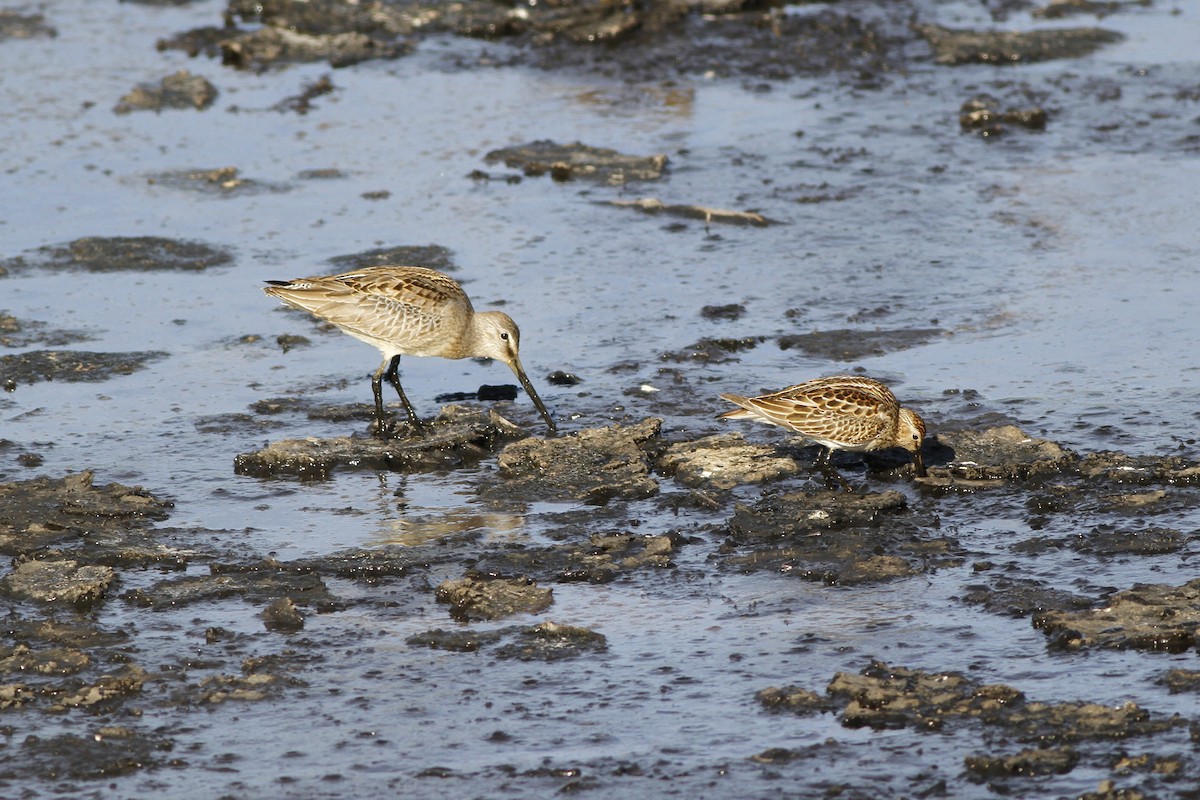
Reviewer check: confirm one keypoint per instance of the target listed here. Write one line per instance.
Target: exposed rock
(547, 641)
(14, 25)
(252, 583)
(876, 538)
(282, 615)
(984, 116)
(1027, 763)
(70, 366)
(1000, 453)
(458, 436)
(478, 598)
(852, 345)
(579, 161)
(122, 254)
(591, 465)
(598, 560)
(63, 582)
(724, 461)
(179, 90)
(951, 46)
(1146, 617)
(650, 205)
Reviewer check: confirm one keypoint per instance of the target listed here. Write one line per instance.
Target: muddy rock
(713, 351)
(70, 366)
(105, 694)
(63, 582)
(1058, 9)
(256, 50)
(217, 182)
(1023, 597)
(549, 641)
(1027, 763)
(14, 25)
(728, 311)
(999, 453)
(883, 697)
(103, 754)
(593, 465)
(793, 699)
(1104, 540)
(854, 345)
(26, 333)
(458, 436)
(1140, 470)
(1181, 680)
(984, 116)
(282, 615)
(600, 559)
(303, 103)
(951, 46)
(836, 537)
(179, 90)
(476, 597)
(724, 461)
(1146, 617)
(21, 659)
(253, 687)
(546, 641)
(709, 216)
(120, 254)
(257, 582)
(579, 161)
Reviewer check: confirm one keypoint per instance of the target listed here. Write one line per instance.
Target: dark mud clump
(68, 513)
(478, 597)
(599, 559)
(1002, 453)
(836, 537)
(179, 90)
(255, 582)
(853, 345)
(713, 216)
(713, 351)
(1022, 597)
(579, 161)
(66, 582)
(983, 115)
(14, 25)
(24, 333)
(1145, 617)
(70, 366)
(954, 47)
(122, 253)
(458, 436)
(547, 641)
(882, 697)
(593, 465)
(219, 182)
(724, 461)
(106, 753)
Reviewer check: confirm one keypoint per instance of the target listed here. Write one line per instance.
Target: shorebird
(408, 311)
(841, 413)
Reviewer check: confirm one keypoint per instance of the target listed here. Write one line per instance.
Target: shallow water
(1059, 264)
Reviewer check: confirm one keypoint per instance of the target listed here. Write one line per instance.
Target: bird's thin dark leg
(381, 428)
(831, 474)
(393, 377)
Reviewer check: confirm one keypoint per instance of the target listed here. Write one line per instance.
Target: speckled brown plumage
(843, 412)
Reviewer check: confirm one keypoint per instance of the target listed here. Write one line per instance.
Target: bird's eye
(504, 336)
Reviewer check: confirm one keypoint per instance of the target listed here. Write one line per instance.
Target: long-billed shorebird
(408, 311)
(842, 413)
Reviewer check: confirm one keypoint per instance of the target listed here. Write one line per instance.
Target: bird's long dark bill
(919, 465)
(533, 395)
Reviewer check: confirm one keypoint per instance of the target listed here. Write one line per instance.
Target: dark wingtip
(279, 283)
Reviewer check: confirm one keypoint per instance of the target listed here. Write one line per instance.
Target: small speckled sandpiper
(408, 311)
(842, 413)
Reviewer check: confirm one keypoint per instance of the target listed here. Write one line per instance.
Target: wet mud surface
(218, 580)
